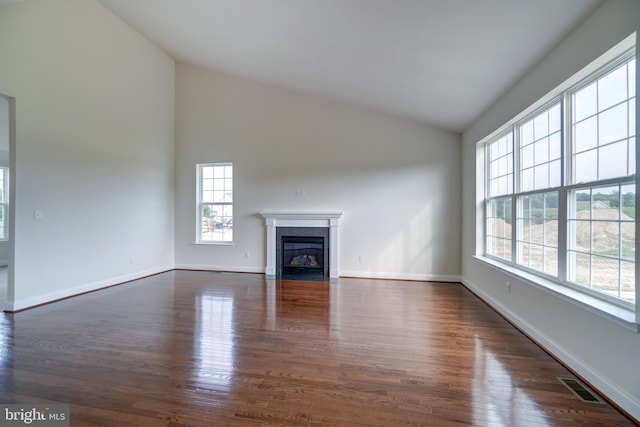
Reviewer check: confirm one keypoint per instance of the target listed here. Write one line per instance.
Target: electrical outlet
(360, 259)
(247, 255)
(508, 288)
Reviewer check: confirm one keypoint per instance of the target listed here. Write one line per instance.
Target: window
(215, 203)
(500, 188)
(4, 203)
(560, 186)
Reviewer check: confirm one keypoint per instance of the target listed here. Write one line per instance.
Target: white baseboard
(624, 400)
(342, 273)
(399, 276)
(66, 293)
(231, 269)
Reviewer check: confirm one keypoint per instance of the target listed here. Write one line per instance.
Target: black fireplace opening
(303, 255)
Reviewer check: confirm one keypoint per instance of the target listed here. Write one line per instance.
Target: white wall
(604, 353)
(397, 181)
(94, 148)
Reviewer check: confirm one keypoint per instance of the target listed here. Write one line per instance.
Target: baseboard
(26, 303)
(343, 273)
(399, 276)
(231, 269)
(625, 401)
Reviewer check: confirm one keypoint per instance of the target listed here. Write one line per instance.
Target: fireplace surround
(313, 224)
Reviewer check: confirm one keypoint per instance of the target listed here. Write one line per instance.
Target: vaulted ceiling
(442, 62)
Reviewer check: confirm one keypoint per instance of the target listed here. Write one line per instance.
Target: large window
(560, 186)
(215, 203)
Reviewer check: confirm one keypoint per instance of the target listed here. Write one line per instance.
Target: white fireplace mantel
(275, 219)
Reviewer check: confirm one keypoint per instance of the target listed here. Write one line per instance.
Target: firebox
(302, 253)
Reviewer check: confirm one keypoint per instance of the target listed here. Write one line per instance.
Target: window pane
(585, 166)
(606, 237)
(526, 133)
(555, 119)
(580, 268)
(207, 172)
(555, 174)
(605, 275)
(536, 260)
(218, 172)
(541, 126)
(627, 281)
(541, 176)
(631, 75)
(609, 160)
(526, 157)
(632, 156)
(632, 118)
(612, 125)
(628, 203)
(585, 102)
(551, 261)
(541, 151)
(555, 146)
(538, 239)
(628, 241)
(582, 232)
(498, 227)
(527, 180)
(586, 134)
(207, 196)
(545, 147)
(500, 165)
(612, 88)
(2, 223)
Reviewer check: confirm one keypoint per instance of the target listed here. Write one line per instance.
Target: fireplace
(302, 253)
(302, 224)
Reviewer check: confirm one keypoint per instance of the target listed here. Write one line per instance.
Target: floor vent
(582, 391)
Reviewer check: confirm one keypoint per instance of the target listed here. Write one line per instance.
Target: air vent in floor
(582, 391)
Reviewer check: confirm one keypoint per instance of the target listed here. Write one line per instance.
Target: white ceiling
(442, 62)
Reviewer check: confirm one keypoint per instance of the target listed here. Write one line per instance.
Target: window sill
(620, 315)
(231, 244)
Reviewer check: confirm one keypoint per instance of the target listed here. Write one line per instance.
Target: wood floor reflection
(216, 349)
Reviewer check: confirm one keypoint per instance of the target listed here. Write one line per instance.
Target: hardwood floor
(199, 348)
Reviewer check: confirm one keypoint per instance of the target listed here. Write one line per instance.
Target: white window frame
(4, 203)
(223, 206)
(623, 312)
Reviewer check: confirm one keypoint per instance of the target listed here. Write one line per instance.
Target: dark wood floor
(198, 348)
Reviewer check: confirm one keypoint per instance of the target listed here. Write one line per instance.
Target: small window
(215, 203)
